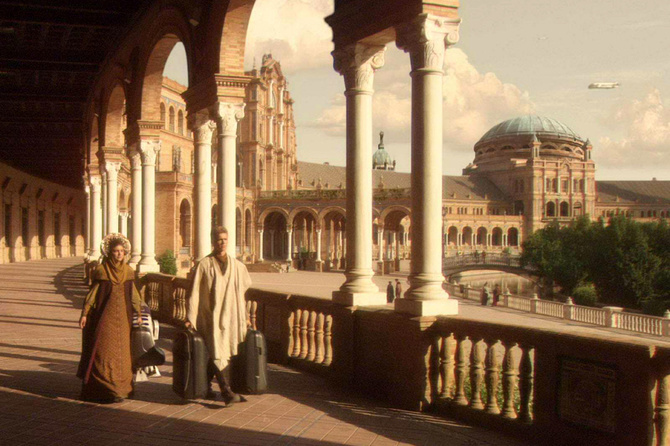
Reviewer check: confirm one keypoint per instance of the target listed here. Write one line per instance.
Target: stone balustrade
(613, 317)
(540, 385)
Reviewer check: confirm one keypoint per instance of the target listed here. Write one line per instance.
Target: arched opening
(171, 120)
(496, 237)
(550, 210)
(304, 238)
(275, 237)
(394, 247)
(163, 113)
(247, 231)
(115, 117)
(452, 236)
(481, 236)
(180, 122)
(185, 227)
(565, 209)
(513, 237)
(467, 236)
(333, 238)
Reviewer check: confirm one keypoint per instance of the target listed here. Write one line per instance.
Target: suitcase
(250, 368)
(189, 363)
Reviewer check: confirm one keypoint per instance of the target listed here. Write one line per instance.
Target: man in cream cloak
(217, 308)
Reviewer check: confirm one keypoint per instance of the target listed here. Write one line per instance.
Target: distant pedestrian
(390, 292)
(398, 289)
(486, 295)
(496, 294)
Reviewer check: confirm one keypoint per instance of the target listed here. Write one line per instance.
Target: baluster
(304, 346)
(463, 348)
(179, 302)
(526, 381)
(252, 309)
(319, 338)
(296, 332)
(447, 366)
(492, 376)
(327, 338)
(434, 368)
(477, 355)
(311, 341)
(662, 409)
(510, 377)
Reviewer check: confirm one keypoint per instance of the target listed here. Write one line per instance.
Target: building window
(163, 113)
(171, 125)
(180, 122)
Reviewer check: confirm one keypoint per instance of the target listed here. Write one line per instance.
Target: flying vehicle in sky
(603, 85)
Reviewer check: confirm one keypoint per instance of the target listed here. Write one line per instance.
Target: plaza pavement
(40, 344)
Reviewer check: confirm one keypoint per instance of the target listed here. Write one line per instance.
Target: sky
(514, 57)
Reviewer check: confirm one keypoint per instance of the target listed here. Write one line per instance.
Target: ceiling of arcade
(50, 54)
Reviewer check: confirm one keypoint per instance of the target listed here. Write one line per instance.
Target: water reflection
(476, 279)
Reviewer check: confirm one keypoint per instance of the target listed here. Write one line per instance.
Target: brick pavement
(39, 352)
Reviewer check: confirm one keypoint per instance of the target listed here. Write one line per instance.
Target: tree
(168, 263)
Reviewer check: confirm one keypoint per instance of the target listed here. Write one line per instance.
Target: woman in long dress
(106, 319)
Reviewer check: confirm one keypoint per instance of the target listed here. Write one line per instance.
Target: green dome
(381, 156)
(530, 125)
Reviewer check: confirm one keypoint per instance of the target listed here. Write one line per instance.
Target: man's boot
(229, 397)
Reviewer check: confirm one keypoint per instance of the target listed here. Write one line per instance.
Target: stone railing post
(569, 309)
(506, 299)
(533, 303)
(666, 323)
(609, 317)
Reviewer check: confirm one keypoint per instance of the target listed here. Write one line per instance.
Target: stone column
(229, 115)
(87, 229)
(318, 245)
(103, 198)
(148, 150)
(123, 222)
(357, 63)
(96, 217)
(426, 39)
(136, 184)
(260, 245)
(112, 169)
(203, 128)
(289, 244)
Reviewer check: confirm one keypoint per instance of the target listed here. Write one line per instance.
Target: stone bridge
(486, 261)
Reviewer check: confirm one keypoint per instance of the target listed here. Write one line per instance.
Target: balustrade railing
(537, 384)
(613, 317)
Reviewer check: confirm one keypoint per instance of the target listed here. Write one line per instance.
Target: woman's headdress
(112, 240)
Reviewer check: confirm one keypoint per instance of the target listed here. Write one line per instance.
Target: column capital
(149, 149)
(229, 113)
(96, 182)
(202, 125)
(112, 169)
(357, 63)
(87, 189)
(426, 38)
(135, 160)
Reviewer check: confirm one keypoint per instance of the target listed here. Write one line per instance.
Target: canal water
(477, 279)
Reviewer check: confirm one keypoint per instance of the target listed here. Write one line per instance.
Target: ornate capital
(229, 114)
(202, 125)
(135, 160)
(149, 148)
(96, 182)
(357, 63)
(112, 169)
(426, 38)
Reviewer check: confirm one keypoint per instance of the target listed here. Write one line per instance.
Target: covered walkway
(39, 352)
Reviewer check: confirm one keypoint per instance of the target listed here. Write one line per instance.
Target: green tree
(168, 263)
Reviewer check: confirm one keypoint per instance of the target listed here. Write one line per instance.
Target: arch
(171, 119)
(266, 212)
(229, 23)
(467, 236)
(481, 235)
(247, 228)
(180, 122)
(513, 237)
(497, 237)
(275, 237)
(169, 27)
(337, 209)
(564, 209)
(295, 212)
(185, 226)
(113, 113)
(452, 236)
(394, 209)
(550, 210)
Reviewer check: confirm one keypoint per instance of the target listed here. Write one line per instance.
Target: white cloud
(646, 124)
(473, 102)
(294, 31)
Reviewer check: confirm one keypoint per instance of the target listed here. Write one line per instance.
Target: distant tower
(381, 160)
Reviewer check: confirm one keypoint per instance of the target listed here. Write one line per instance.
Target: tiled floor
(39, 352)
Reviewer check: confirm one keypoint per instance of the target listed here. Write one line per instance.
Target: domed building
(542, 165)
(382, 160)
